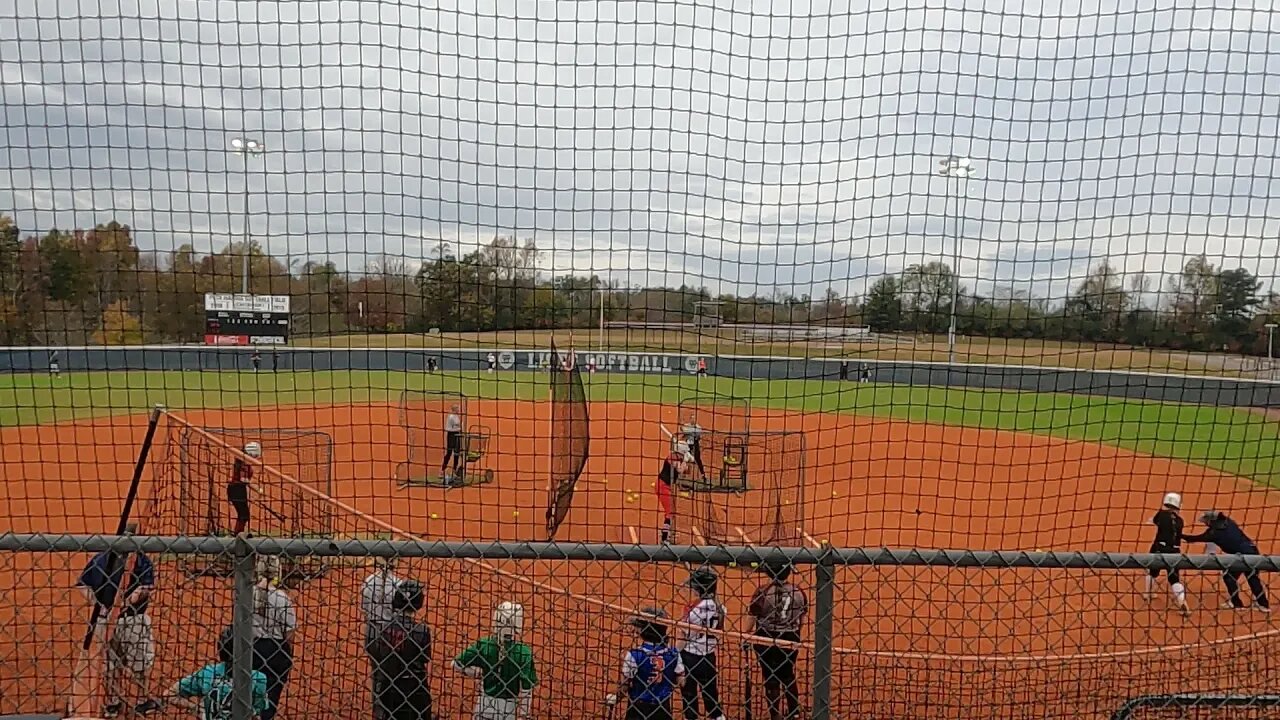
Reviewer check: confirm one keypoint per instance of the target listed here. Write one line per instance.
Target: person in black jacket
(1222, 531)
(1168, 540)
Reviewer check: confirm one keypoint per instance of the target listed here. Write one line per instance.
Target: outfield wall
(1145, 386)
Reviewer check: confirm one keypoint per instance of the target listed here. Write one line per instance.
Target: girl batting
(673, 467)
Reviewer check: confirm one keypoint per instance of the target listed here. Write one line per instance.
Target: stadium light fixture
(959, 169)
(1271, 346)
(245, 147)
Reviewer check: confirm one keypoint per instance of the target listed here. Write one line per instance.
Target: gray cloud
(718, 144)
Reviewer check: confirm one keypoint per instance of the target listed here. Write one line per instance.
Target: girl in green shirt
(504, 665)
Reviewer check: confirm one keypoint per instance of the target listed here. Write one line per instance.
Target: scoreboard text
(235, 319)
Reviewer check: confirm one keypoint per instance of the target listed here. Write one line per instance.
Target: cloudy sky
(738, 144)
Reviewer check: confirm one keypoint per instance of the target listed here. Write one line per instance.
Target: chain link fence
(395, 629)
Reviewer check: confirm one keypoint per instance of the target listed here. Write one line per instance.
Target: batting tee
(196, 465)
(422, 415)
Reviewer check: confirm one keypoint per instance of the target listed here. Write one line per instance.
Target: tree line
(96, 286)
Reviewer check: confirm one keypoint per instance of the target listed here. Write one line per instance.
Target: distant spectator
(504, 665)
(54, 368)
(401, 654)
(492, 361)
(778, 609)
(844, 369)
(275, 623)
(1222, 531)
(864, 375)
(275, 360)
(256, 359)
(130, 648)
(209, 689)
(431, 363)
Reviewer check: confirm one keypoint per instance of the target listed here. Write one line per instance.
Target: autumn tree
(118, 326)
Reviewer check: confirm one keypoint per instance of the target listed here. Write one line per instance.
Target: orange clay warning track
(911, 642)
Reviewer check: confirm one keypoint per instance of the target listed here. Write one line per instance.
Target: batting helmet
(253, 450)
(1173, 500)
(409, 596)
(703, 581)
(652, 624)
(508, 619)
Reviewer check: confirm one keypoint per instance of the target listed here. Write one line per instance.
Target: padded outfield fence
(578, 639)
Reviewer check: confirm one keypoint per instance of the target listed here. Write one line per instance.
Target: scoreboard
(235, 319)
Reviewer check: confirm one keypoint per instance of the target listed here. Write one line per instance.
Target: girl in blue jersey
(652, 672)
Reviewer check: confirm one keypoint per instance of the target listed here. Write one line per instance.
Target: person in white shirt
(452, 443)
(492, 360)
(698, 653)
(376, 596)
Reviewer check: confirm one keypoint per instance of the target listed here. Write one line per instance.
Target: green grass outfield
(1235, 441)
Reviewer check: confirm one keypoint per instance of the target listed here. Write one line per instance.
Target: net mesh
(981, 276)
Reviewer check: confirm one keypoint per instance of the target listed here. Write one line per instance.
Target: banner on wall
(621, 362)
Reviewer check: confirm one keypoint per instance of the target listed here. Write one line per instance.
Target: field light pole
(960, 168)
(244, 147)
(1271, 348)
(602, 292)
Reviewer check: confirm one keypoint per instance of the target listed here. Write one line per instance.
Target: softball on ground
(515, 513)
(435, 516)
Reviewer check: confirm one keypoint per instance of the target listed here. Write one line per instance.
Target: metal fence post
(823, 619)
(242, 632)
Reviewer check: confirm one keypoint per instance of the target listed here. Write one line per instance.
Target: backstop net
(756, 492)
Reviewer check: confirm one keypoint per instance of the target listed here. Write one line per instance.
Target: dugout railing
(828, 646)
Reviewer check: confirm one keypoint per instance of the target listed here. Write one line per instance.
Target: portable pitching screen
(723, 468)
(192, 473)
(769, 506)
(430, 458)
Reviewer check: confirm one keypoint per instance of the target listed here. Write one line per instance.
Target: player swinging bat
(673, 468)
(238, 487)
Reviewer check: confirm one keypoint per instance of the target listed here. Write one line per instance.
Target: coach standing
(130, 648)
(274, 624)
(452, 443)
(778, 609)
(1227, 535)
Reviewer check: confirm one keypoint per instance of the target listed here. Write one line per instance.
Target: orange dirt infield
(911, 642)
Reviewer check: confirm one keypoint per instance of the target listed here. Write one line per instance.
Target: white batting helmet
(1173, 500)
(508, 619)
(253, 450)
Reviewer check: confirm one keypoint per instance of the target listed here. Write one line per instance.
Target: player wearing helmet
(673, 468)
(504, 665)
(1168, 540)
(693, 436)
(651, 672)
(400, 654)
(238, 487)
(778, 609)
(698, 653)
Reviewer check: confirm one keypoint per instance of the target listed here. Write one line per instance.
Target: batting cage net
(745, 488)
(443, 448)
(570, 436)
(285, 484)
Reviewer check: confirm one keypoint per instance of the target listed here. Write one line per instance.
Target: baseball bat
(746, 711)
(665, 430)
